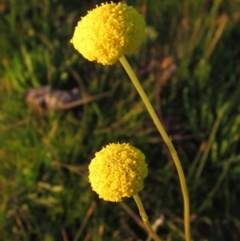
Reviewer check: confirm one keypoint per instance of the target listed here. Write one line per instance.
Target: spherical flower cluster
(117, 171)
(108, 32)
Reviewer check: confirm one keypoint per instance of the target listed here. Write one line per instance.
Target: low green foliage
(189, 67)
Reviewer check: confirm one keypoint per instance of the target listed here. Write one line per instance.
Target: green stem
(167, 141)
(145, 218)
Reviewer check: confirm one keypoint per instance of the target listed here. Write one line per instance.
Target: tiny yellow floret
(117, 171)
(108, 32)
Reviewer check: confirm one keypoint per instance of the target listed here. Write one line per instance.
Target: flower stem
(167, 141)
(145, 218)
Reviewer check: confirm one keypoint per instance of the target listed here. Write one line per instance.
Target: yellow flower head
(117, 171)
(108, 32)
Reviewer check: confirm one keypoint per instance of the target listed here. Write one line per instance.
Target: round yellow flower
(108, 32)
(117, 171)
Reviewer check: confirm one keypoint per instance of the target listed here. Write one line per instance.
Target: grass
(189, 67)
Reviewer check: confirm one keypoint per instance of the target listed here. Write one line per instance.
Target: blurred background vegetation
(189, 66)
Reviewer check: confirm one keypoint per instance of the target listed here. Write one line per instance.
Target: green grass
(44, 189)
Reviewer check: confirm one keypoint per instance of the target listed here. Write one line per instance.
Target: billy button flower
(109, 32)
(106, 34)
(117, 171)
